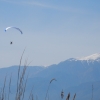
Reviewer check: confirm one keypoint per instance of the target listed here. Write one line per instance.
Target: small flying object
(11, 42)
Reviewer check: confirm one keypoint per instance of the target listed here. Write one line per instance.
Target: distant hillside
(73, 75)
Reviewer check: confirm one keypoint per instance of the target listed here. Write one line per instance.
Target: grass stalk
(9, 86)
(49, 86)
(3, 90)
(74, 96)
(68, 96)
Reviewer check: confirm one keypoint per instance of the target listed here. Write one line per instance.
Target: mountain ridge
(71, 76)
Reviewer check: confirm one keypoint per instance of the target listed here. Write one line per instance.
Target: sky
(53, 30)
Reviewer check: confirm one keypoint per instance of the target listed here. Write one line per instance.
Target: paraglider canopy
(14, 28)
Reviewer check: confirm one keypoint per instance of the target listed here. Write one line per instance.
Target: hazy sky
(53, 30)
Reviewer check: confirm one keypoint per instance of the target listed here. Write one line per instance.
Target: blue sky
(53, 30)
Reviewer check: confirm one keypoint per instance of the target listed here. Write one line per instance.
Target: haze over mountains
(74, 75)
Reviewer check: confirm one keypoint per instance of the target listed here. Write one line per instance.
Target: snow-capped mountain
(74, 75)
(92, 58)
(95, 56)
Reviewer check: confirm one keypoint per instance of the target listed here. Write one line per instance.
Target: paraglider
(14, 28)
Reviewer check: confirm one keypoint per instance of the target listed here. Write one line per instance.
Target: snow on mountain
(92, 57)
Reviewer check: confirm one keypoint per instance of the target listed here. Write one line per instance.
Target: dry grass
(49, 87)
(21, 85)
(68, 96)
(74, 96)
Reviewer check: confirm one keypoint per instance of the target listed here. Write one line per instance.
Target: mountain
(94, 57)
(74, 75)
